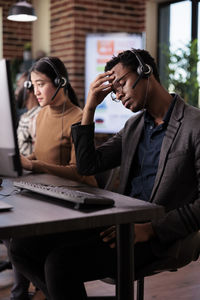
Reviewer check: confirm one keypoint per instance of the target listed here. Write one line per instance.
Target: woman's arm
(68, 171)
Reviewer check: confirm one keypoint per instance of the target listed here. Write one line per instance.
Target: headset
(27, 83)
(27, 86)
(143, 70)
(59, 81)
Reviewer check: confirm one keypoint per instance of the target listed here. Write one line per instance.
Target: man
(158, 152)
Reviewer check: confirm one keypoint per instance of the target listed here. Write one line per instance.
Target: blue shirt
(146, 160)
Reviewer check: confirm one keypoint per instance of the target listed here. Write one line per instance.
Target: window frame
(194, 28)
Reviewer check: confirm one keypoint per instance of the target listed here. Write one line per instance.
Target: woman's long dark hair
(53, 67)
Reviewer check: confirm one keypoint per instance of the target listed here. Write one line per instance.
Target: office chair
(5, 264)
(108, 180)
(187, 253)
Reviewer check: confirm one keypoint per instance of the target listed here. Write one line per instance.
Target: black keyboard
(80, 198)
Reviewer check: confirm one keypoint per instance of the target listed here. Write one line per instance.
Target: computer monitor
(9, 153)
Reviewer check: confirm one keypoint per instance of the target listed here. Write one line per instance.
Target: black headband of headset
(144, 68)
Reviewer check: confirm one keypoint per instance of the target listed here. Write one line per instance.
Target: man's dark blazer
(177, 183)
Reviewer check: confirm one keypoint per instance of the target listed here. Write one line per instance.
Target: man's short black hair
(128, 59)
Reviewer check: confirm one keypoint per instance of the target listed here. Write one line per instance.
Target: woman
(27, 121)
(54, 151)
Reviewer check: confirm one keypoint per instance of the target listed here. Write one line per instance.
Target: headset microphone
(137, 80)
(56, 92)
(61, 84)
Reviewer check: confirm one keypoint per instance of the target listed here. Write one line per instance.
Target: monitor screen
(9, 153)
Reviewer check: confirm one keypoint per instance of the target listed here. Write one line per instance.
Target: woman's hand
(99, 89)
(109, 236)
(26, 163)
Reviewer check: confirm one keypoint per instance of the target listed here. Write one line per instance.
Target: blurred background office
(70, 29)
(62, 26)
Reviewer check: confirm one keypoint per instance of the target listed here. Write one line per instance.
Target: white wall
(1, 30)
(41, 27)
(151, 27)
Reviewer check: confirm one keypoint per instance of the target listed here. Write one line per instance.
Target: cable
(62, 128)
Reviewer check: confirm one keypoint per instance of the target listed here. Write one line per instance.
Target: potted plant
(181, 71)
(27, 55)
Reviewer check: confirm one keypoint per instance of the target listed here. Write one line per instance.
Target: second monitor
(9, 153)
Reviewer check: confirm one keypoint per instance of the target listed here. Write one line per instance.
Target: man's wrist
(89, 109)
(88, 115)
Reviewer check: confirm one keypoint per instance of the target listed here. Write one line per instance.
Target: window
(178, 25)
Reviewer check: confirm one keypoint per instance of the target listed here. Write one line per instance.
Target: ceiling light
(22, 12)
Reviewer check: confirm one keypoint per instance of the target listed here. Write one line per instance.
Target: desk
(38, 215)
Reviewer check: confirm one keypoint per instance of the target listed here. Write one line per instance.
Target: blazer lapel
(131, 140)
(171, 132)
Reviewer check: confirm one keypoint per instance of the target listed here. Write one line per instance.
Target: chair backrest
(185, 251)
(108, 180)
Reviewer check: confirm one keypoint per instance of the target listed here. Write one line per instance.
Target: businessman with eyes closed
(158, 152)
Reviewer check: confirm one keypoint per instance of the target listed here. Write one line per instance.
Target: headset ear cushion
(146, 72)
(28, 84)
(62, 81)
(139, 70)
